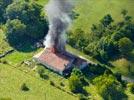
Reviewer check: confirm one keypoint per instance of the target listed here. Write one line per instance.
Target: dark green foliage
(125, 45)
(132, 89)
(75, 84)
(24, 87)
(78, 40)
(29, 13)
(62, 84)
(94, 69)
(107, 20)
(16, 28)
(52, 83)
(4, 62)
(83, 97)
(42, 74)
(3, 5)
(109, 88)
(77, 81)
(118, 76)
(124, 12)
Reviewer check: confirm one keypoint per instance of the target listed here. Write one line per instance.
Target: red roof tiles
(56, 60)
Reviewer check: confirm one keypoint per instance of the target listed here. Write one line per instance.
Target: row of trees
(107, 39)
(23, 18)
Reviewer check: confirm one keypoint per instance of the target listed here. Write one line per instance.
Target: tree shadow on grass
(22, 43)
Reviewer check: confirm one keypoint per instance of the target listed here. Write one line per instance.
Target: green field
(91, 11)
(11, 80)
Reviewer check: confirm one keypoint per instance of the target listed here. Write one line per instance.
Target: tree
(75, 84)
(124, 12)
(78, 39)
(111, 90)
(107, 20)
(24, 87)
(125, 15)
(3, 5)
(28, 13)
(15, 28)
(125, 45)
(77, 81)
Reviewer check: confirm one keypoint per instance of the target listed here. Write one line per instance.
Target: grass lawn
(11, 80)
(91, 11)
(41, 2)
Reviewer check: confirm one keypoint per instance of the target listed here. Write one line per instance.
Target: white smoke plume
(58, 12)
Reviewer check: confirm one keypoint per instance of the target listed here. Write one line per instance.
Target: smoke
(58, 12)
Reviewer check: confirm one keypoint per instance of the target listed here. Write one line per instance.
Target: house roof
(59, 61)
(56, 60)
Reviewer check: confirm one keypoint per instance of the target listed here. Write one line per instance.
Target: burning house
(54, 56)
(61, 63)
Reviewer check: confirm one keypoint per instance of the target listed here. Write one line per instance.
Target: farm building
(60, 62)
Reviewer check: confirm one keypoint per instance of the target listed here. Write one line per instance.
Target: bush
(118, 76)
(94, 69)
(123, 65)
(62, 84)
(83, 97)
(24, 87)
(125, 45)
(42, 74)
(131, 87)
(52, 83)
(77, 81)
(4, 62)
(75, 84)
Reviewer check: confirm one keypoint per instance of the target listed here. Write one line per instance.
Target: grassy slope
(91, 11)
(12, 79)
